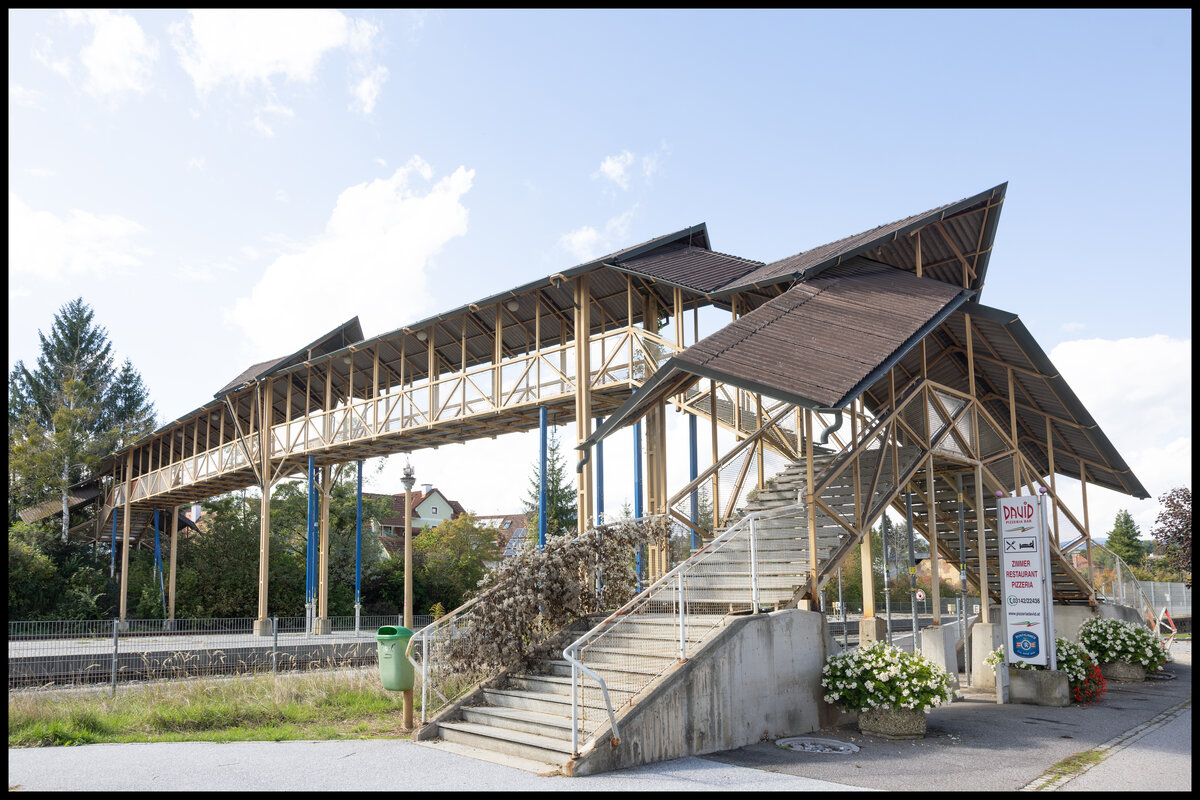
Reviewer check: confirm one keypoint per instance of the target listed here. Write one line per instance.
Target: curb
(1053, 780)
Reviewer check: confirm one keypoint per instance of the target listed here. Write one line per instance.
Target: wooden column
(1087, 536)
(716, 478)
(981, 532)
(583, 398)
(868, 573)
(125, 538)
(323, 624)
(262, 625)
(812, 511)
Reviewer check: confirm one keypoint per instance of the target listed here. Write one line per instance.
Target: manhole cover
(808, 744)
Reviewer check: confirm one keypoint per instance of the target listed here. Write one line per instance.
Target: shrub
(882, 676)
(1117, 640)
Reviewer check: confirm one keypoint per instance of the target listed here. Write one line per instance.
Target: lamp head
(409, 479)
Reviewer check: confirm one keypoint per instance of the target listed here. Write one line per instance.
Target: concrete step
(534, 766)
(532, 701)
(554, 726)
(523, 744)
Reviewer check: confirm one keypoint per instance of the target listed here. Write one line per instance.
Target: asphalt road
(1141, 732)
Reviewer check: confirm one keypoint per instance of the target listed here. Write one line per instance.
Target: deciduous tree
(1173, 529)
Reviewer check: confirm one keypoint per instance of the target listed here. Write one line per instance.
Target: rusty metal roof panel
(954, 237)
(689, 267)
(817, 345)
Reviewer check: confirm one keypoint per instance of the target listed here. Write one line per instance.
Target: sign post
(1025, 581)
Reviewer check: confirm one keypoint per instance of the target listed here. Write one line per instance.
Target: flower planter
(893, 723)
(1123, 672)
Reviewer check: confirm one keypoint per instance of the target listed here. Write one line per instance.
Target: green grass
(1074, 764)
(330, 704)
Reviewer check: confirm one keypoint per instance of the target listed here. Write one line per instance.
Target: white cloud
(616, 168)
(43, 244)
(118, 60)
(37, 172)
(41, 53)
(1072, 327)
(262, 127)
(195, 163)
(585, 243)
(1139, 392)
(282, 196)
(30, 98)
(380, 240)
(366, 91)
(248, 46)
(202, 273)
(381, 162)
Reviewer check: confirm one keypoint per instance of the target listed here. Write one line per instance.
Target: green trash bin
(395, 670)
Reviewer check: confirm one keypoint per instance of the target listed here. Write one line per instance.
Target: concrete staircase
(525, 721)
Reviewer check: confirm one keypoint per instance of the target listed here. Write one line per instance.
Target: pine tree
(1123, 539)
(71, 409)
(561, 504)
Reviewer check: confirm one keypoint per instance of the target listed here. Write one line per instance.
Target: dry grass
(319, 704)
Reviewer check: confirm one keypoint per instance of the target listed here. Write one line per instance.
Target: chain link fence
(62, 653)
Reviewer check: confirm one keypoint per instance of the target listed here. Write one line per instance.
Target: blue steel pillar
(358, 551)
(158, 564)
(600, 477)
(544, 421)
(637, 487)
(692, 473)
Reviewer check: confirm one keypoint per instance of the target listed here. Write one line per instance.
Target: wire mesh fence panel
(72, 652)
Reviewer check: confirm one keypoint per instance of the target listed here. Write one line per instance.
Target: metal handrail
(1120, 564)
(572, 650)
(440, 623)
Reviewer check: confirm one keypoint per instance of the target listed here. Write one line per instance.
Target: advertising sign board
(1023, 564)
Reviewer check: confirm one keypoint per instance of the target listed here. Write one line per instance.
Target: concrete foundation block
(1123, 672)
(1039, 687)
(262, 627)
(321, 625)
(938, 643)
(985, 637)
(871, 629)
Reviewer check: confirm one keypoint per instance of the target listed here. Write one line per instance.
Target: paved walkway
(1141, 733)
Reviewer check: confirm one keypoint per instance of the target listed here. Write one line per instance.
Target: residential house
(430, 508)
(511, 530)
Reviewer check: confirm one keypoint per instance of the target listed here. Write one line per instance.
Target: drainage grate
(808, 744)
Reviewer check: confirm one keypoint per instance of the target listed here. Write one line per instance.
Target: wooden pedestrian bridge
(856, 377)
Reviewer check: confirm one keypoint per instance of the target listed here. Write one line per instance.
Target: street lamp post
(408, 481)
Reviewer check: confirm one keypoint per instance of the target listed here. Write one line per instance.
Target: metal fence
(1175, 597)
(61, 653)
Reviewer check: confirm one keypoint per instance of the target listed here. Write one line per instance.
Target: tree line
(74, 406)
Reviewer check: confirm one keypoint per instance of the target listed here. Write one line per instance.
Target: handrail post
(574, 710)
(753, 566)
(682, 619)
(424, 672)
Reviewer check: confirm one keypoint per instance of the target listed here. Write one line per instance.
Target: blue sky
(223, 187)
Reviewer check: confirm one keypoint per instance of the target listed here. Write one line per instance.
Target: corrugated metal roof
(1001, 341)
(964, 228)
(689, 267)
(348, 333)
(76, 497)
(816, 345)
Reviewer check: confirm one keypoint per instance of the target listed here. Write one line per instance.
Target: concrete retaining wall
(760, 678)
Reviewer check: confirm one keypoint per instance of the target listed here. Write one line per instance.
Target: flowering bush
(1091, 688)
(1071, 658)
(1116, 640)
(882, 676)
